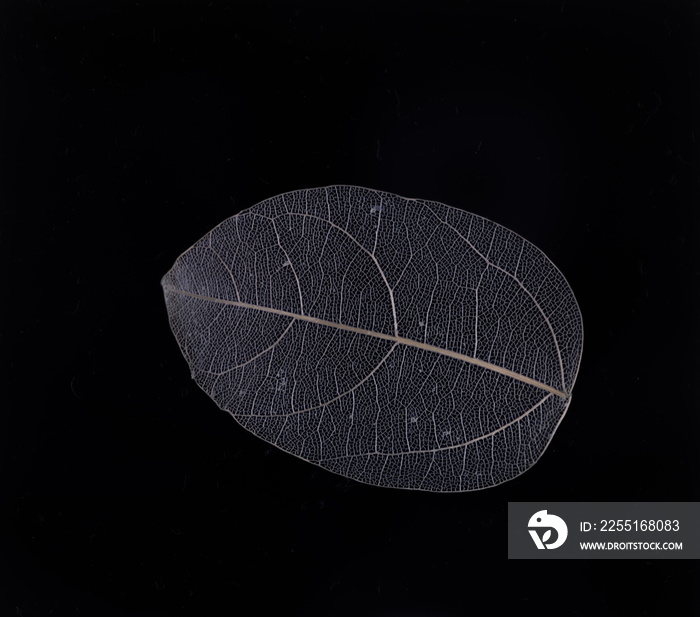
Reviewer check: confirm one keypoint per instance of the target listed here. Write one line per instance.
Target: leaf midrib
(387, 337)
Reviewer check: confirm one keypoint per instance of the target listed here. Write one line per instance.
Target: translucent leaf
(398, 342)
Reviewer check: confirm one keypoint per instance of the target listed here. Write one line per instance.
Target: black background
(129, 129)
